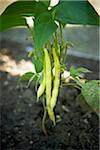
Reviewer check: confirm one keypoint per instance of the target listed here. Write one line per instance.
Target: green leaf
(46, 2)
(27, 76)
(78, 71)
(76, 12)
(83, 70)
(15, 13)
(43, 29)
(91, 93)
(25, 8)
(38, 65)
(11, 21)
(82, 102)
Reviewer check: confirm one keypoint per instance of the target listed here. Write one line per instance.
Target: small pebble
(19, 110)
(30, 105)
(10, 88)
(19, 132)
(16, 128)
(22, 123)
(15, 111)
(31, 142)
(32, 122)
(85, 121)
(6, 83)
(3, 140)
(58, 118)
(65, 108)
(9, 136)
(20, 96)
(69, 134)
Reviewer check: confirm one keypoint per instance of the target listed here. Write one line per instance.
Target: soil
(21, 116)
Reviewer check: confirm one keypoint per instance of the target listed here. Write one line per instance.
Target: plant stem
(71, 84)
(44, 117)
(61, 34)
(55, 41)
(64, 55)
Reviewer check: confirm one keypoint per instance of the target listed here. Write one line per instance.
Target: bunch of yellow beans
(46, 84)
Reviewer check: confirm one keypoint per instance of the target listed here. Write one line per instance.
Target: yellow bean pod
(48, 85)
(56, 80)
(42, 86)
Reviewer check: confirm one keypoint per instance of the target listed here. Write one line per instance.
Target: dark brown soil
(21, 116)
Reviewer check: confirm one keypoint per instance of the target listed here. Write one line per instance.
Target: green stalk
(44, 117)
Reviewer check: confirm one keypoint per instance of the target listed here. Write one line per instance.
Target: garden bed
(21, 116)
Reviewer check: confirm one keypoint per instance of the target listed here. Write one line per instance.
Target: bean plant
(49, 54)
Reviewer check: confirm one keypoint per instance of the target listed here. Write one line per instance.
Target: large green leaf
(44, 26)
(91, 91)
(25, 8)
(15, 13)
(7, 22)
(46, 2)
(76, 12)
